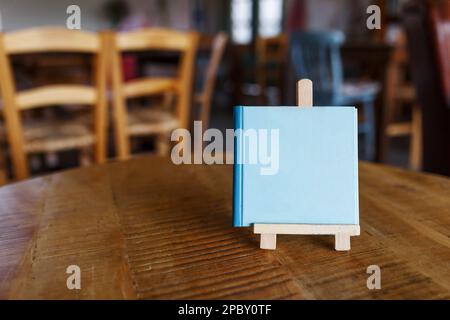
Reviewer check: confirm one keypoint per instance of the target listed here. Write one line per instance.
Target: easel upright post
(305, 100)
(305, 93)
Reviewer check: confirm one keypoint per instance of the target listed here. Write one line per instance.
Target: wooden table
(149, 229)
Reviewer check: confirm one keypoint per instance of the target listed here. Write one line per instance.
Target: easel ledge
(341, 232)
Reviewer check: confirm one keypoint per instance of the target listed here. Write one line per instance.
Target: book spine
(355, 159)
(238, 174)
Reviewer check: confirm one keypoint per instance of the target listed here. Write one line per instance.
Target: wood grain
(151, 86)
(148, 229)
(54, 39)
(54, 95)
(152, 39)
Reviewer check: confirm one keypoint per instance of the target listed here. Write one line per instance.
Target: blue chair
(316, 56)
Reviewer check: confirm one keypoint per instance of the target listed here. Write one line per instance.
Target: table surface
(149, 229)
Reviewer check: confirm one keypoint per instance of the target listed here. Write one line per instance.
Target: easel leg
(268, 241)
(342, 242)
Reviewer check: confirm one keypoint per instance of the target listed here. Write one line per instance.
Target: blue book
(295, 166)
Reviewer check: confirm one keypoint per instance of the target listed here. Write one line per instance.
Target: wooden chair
(399, 91)
(427, 26)
(316, 56)
(204, 98)
(151, 121)
(271, 58)
(52, 136)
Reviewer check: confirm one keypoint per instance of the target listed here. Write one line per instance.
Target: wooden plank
(54, 95)
(152, 39)
(119, 114)
(101, 62)
(399, 129)
(130, 224)
(50, 39)
(68, 230)
(149, 86)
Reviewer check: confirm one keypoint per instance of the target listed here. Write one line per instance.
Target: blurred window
(241, 21)
(270, 17)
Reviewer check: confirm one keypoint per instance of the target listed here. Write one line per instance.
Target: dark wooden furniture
(146, 229)
(369, 60)
(271, 54)
(316, 56)
(427, 25)
(204, 98)
(399, 93)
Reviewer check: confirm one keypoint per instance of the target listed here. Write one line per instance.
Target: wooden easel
(341, 232)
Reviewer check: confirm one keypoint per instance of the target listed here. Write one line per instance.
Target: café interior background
(396, 135)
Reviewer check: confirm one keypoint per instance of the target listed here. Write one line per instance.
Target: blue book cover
(295, 165)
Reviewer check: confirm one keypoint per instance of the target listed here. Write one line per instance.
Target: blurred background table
(146, 228)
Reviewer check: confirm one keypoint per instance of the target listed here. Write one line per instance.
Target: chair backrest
(205, 98)
(316, 56)
(154, 39)
(51, 40)
(440, 21)
(427, 74)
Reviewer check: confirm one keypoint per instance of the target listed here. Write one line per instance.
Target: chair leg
(415, 149)
(51, 159)
(162, 144)
(2, 168)
(369, 135)
(2, 178)
(85, 157)
(36, 162)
